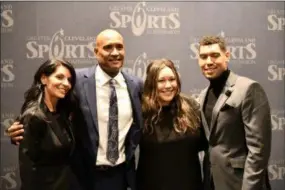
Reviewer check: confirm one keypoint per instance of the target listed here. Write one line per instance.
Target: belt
(108, 167)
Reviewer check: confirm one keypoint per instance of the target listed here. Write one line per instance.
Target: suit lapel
(225, 94)
(134, 134)
(58, 138)
(134, 99)
(203, 118)
(62, 138)
(89, 86)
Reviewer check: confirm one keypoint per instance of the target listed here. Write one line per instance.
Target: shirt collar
(102, 78)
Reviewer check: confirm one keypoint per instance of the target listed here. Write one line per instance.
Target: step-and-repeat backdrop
(31, 32)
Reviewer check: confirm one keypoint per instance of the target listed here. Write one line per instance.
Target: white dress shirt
(125, 114)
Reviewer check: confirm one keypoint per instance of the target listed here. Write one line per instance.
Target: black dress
(168, 160)
(44, 153)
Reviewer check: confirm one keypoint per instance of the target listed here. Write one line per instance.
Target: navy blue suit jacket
(86, 127)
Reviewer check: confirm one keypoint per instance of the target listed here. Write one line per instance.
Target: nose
(115, 52)
(167, 84)
(66, 83)
(209, 60)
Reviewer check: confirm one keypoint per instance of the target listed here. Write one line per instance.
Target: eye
(108, 47)
(203, 56)
(215, 55)
(60, 77)
(119, 46)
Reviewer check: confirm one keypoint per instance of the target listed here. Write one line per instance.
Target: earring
(41, 86)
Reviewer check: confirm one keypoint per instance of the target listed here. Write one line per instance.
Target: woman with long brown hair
(172, 135)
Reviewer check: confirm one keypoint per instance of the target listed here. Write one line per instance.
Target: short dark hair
(209, 40)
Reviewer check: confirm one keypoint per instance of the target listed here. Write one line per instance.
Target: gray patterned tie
(113, 131)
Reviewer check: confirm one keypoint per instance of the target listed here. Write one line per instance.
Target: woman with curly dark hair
(48, 143)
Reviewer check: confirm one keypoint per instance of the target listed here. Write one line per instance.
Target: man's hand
(15, 132)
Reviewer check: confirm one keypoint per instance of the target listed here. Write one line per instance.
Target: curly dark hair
(35, 94)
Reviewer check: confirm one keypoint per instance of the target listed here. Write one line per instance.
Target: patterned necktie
(113, 131)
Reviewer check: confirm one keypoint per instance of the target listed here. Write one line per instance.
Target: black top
(45, 152)
(169, 160)
(215, 89)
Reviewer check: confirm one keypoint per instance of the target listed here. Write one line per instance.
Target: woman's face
(166, 85)
(58, 84)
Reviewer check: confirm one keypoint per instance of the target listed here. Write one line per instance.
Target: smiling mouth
(210, 70)
(63, 91)
(115, 59)
(168, 92)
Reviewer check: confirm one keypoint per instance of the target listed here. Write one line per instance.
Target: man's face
(213, 61)
(110, 52)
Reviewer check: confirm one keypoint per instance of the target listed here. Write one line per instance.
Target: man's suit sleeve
(141, 85)
(257, 123)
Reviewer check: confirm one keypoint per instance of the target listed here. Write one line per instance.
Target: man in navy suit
(109, 128)
(93, 90)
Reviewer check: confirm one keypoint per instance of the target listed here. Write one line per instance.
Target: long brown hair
(185, 115)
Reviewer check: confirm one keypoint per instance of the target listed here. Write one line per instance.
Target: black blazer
(45, 152)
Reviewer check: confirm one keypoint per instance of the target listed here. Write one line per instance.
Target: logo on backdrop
(7, 120)
(276, 170)
(276, 20)
(278, 120)
(242, 49)
(145, 18)
(75, 49)
(8, 178)
(7, 73)
(276, 70)
(138, 65)
(7, 19)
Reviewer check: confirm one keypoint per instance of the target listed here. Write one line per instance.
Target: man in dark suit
(236, 119)
(109, 128)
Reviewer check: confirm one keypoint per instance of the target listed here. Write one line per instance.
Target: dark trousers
(110, 178)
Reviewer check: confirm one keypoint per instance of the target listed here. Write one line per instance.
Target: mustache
(117, 58)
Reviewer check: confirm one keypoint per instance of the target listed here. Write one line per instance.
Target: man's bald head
(107, 34)
(110, 51)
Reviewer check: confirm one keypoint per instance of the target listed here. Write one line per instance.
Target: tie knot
(112, 82)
